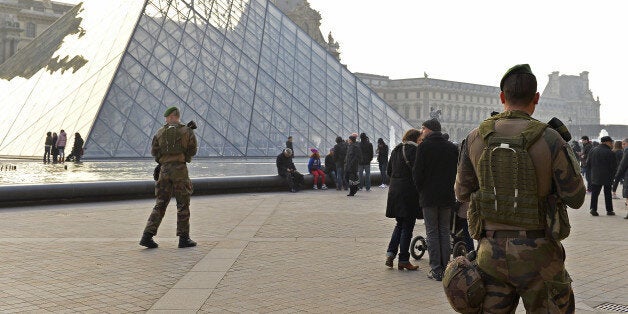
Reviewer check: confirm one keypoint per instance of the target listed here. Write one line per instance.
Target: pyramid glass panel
(243, 71)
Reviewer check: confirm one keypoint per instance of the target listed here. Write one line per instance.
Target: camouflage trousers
(173, 179)
(533, 269)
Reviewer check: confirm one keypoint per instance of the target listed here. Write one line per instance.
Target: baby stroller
(418, 246)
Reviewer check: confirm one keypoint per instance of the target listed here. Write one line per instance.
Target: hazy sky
(477, 41)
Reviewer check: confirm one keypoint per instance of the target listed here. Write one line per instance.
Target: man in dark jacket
(602, 164)
(354, 155)
(434, 175)
(287, 170)
(340, 154)
(364, 168)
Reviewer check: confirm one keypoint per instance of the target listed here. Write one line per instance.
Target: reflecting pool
(36, 172)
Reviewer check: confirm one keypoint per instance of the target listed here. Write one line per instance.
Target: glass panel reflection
(242, 70)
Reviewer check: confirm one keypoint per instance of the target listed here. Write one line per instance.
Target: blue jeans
(401, 238)
(437, 227)
(365, 178)
(383, 167)
(340, 178)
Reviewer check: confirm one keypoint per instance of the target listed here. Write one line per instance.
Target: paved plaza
(313, 251)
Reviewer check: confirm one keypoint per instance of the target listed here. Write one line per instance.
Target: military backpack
(507, 178)
(170, 141)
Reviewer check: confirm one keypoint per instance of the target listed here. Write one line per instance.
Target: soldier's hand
(192, 125)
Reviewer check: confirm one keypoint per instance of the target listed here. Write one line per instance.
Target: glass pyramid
(241, 69)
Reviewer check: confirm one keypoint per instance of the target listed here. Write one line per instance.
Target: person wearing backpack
(173, 147)
(513, 170)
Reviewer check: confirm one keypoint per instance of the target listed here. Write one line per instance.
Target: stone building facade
(309, 20)
(23, 20)
(462, 106)
(459, 106)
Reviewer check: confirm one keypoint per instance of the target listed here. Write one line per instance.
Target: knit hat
(517, 69)
(170, 110)
(606, 139)
(432, 124)
(314, 150)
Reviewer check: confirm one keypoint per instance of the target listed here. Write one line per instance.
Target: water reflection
(34, 172)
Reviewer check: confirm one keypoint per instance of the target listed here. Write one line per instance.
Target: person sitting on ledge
(287, 170)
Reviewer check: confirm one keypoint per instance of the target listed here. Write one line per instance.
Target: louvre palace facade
(462, 106)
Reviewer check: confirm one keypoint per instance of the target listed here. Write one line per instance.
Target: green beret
(517, 69)
(170, 110)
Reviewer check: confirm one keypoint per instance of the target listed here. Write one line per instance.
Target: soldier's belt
(530, 234)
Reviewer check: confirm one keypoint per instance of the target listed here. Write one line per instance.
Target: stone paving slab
(313, 251)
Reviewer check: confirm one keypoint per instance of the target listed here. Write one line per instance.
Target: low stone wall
(24, 195)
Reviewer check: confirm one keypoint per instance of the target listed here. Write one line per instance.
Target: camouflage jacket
(188, 142)
(556, 167)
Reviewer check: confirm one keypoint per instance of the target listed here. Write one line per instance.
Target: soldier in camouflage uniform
(516, 262)
(173, 146)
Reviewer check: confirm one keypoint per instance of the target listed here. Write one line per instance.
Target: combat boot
(147, 241)
(352, 190)
(185, 241)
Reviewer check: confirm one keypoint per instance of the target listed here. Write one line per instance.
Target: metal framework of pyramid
(241, 69)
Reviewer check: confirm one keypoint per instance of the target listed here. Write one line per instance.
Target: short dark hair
(519, 89)
(584, 138)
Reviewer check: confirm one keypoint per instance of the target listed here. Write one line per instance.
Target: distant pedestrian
(173, 146)
(340, 154)
(47, 147)
(61, 141)
(55, 149)
(584, 155)
(77, 148)
(314, 167)
(618, 150)
(354, 155)
(330, 166)
(603, 165)
(403, 200)
(364, 167)
(622, 173)
(576, 147)
(382, 160)
(434, 174)
(289, 145)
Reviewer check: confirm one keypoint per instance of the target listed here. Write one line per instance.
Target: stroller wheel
(460, 249)
(418, 246)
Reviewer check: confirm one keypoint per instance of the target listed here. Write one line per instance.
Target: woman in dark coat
(354, 155)
(403, 200)
(77, 148)
(618, 150)
(622, 174)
